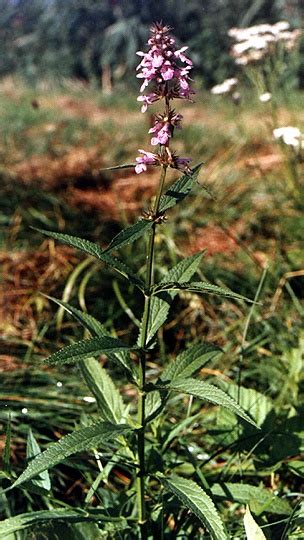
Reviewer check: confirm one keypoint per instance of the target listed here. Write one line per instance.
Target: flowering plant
(140, 437)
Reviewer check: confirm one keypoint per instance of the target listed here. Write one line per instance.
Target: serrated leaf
(256, 404)
(179, 189)
(90, 323)
(198, 287)
(159, 307)
(42, 482)
(90, 248)
(129, 235)
(190, 361)
(85, 438)
(197, 500)
(108, 398)
(253, 531)
(88, 348)
(31, 519)
(153, 405)
(208, 392)
(97, 329)
(245, 494)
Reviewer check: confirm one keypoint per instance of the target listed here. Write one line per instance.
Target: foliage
(48, 38)
(229, 461)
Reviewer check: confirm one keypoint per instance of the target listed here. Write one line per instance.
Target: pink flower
(161, 64)
(148, 158)
(147, 100)
(181, 163)
(164, 127)
(167, 71)
(180, 55)
(162, 133)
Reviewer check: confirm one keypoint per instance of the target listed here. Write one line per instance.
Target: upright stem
(142, 371)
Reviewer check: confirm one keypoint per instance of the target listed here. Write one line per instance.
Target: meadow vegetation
(246, 212)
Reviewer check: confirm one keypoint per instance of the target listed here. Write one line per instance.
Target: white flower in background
(89, 399)
(256, 42)
(225, 88)
(24, 410)
(291, 136)
(265, 97)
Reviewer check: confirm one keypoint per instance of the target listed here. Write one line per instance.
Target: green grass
(254, 208)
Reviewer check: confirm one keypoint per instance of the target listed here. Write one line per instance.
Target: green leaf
(129, 235)
(108, 398)
(246, 494)
(296, 467)
(253, 531)
(159, 307)
(198, 287)
(190, 361)
(208, 392)
(122, 166)
(195, 498)
(179, 189)
(94, 326)
(85, 438)
(93, 249)
(42, 482)
(7, 446)
(154, 404)
(32, 519)
(256, 404)
(181, 426)
(87, 348)
(97, 329)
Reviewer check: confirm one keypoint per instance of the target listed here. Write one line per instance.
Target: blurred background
(68, 109)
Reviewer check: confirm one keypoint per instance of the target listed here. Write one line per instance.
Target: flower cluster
(256, 42)
(163, 66)
(290, 135)
(264, 98)
(225, 87)
(166, 69)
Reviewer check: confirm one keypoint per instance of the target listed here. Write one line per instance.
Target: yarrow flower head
(290, 135)
(256, 42)
(166, 69)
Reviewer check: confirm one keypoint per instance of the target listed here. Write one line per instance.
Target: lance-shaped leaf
(253, 531)
(108, 398)
(260, 497)
(87, 348)
(190, 361)
(122, 166)
(90, 323)
(71, 515)
(198, 287)
(208, 392)
(41, 484)
(129, 235)
(159, 306)
(97, 329)
(179, 189)
(90, 248)
(197, 500)
(85, 438)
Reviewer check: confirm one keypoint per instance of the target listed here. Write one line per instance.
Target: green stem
(142, 372)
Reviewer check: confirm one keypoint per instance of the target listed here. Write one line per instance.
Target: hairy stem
(142, 371)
